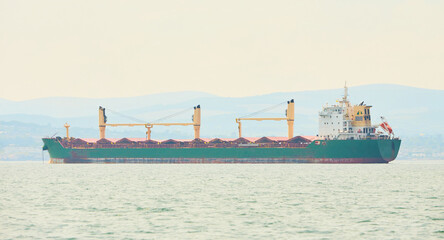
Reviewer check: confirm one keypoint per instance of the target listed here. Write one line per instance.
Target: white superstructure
(344, 121)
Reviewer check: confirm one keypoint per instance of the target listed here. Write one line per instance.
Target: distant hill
(64, 107)
(411, 112)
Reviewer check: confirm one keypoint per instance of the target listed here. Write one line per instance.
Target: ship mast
(345, 104)
(344, 98)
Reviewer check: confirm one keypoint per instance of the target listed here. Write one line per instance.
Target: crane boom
(103, 124)
(171, 124)
(124, 124)
(261, 119)
(289, 118)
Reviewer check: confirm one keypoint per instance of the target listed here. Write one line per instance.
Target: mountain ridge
(404, 106)
(202, 92)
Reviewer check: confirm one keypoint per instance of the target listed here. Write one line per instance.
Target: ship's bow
(57, 152)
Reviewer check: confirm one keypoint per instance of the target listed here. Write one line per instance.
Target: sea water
(400, 200)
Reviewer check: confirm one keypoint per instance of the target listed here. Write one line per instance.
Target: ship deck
(264, 142)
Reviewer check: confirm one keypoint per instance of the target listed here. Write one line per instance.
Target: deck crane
(289, 118)
(148, 126)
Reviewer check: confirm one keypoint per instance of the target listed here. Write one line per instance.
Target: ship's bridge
(345, 121)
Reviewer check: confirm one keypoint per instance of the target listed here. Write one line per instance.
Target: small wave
(436, 219)
(154, 210)
(315, 231)
(364, 221)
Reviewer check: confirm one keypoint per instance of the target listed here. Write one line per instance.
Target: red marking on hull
(226, 161)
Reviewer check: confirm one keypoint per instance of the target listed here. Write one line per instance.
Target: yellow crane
(67, 131)
(148, 126)
(289, 118)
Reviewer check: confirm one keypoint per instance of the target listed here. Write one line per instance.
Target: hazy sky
(229, 48)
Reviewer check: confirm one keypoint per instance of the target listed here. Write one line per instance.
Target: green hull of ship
(324, 151)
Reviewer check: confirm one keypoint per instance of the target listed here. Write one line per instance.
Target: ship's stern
(389, 148)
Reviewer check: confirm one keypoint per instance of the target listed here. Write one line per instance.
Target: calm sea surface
(401, 200)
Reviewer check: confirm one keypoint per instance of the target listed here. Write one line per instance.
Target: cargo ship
(346, 135)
